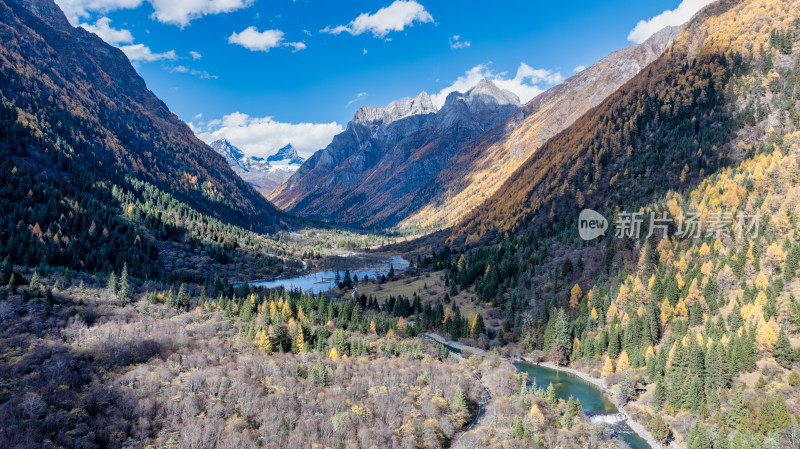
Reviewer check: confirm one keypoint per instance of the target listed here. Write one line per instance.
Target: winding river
(595, 404)
(597, 407)
(322, 281)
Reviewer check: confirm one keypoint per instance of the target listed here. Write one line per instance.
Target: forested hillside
(668, 127)
(480, 168)
(96, 172)
(684, 322)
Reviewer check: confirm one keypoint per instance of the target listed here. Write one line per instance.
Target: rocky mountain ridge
(370, 174)
(481, 168)
(264, 174)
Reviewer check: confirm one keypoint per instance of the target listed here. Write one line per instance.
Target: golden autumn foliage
(666, 312)
(680, 309)
(622, 362)
(263, 342)
(301, 342)
(575, 297)
(649, 352)
(767, 333)
(608, 367)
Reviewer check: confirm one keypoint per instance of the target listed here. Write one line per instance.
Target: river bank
(599, 384)
(611, 395)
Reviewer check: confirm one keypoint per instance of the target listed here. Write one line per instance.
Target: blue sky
(267, 72)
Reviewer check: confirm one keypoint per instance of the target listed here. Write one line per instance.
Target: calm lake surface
(321, 281)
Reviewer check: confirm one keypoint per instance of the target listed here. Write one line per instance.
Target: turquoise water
(565, 384)
(321, 281)
(592, 399)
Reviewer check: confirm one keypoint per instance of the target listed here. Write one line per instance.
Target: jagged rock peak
(286, 154)
(225, 148)
(46, 10)
(396, 110)
(486, 91)
(482, 97)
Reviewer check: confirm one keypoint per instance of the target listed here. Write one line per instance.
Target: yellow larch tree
(623, 362)
(680, 309)
(263, 342)
(575, 296)
(649, 352)
(767, 333)
(666, 312)
(608, 367)
(301, 341)
(623, 296)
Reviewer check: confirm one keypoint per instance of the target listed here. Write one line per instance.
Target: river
(597, 407)
(321, 281)
(595, 404)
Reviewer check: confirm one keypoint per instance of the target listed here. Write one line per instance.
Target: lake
(321, 281)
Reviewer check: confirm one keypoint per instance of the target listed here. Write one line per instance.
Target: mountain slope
(480, 169)
(668, 127)
(371, 174)
(110, 171)
(697, 330)
(263, 174)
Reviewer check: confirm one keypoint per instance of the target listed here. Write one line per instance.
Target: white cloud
(365, 51)
(134, 52)
(359, 96)
(579, 68)
(526, 84)
(394, 17)
(77, 9)
(255, 40)
(176, 12)
(201, 73)
(195, 55)
(296, 46)
(113, 36)
(677, 16)
(142, 53)
(261, 136)
(456, 42)
(181, 12)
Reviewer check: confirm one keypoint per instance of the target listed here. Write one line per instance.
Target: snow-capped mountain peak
(286, 156)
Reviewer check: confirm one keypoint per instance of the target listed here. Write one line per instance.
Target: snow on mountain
(264, 174)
